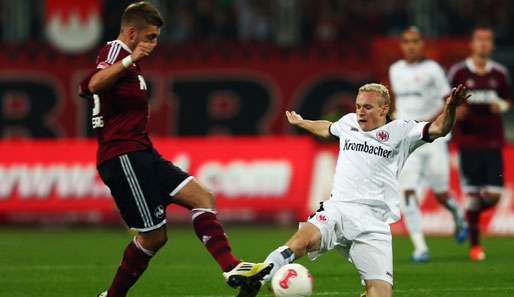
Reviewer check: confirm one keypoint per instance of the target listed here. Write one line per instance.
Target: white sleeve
(391, 80)
(336, 128)
(416, 134)
(441, 82)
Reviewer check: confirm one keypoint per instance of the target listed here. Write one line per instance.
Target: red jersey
(481, 128)
(120, 113)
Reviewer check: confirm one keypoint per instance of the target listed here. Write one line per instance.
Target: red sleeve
(109, 54)
(84, 84)
(505, 91)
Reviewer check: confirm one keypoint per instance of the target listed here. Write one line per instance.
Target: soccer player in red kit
(479, 131)
(141, 181)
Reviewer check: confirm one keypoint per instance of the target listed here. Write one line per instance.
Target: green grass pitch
(81, 262)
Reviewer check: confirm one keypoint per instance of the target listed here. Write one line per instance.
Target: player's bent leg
(136, 258)
(211, 233)
(208, 229)
(306, 239)
(378, 288)
(461, 227)
(414, 227)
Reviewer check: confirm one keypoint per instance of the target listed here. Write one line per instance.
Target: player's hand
(143, 49)
(293, 118)
(458, 96)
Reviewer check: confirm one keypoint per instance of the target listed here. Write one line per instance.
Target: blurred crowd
(286, 22)
(310, 21)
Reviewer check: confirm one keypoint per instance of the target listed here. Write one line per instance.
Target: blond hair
(379, 89)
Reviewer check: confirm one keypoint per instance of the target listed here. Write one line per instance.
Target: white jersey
(419, 89)
(369, 163)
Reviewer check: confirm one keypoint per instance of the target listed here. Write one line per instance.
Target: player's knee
(154, 240)
(472, 202)
(206, 200)
(159, 241)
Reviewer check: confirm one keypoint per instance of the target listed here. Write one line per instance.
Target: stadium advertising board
(254, 179)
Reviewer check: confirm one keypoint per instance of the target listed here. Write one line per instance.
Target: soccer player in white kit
(419, 86)
(365, 198)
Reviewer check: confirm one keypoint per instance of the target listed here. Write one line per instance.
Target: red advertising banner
(253, 178)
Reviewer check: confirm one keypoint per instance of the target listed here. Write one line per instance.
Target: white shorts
(360, 233)
(429, 165)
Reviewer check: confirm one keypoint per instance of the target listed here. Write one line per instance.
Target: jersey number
(97, 120)
(142, 83)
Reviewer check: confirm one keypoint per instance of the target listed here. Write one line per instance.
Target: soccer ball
(292, 280)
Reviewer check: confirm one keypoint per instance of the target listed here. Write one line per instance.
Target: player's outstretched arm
(319, 128)
(444, 123)
(105, 78)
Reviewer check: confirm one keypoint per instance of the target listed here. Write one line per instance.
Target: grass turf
(81, 262)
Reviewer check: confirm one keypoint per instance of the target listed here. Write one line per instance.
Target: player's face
(148, 34)
(482, 43)
(371, 110)
(412, 46)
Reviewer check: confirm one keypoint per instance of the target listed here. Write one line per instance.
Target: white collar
(123, 45)
(471, 65)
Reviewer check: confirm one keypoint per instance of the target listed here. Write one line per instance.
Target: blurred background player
(419, 86)
(142, 183)
(479, 132)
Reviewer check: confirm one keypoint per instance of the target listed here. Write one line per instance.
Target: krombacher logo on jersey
(365, 147)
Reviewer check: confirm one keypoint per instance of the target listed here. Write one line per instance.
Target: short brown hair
(481, 26)
(413, 29)
(140, 15)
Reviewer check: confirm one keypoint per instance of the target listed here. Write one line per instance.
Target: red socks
(135, 258)
(473, 218)
(210, 231)
(134, 262)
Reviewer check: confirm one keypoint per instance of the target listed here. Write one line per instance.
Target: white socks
(279, 257)
(412, 215)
